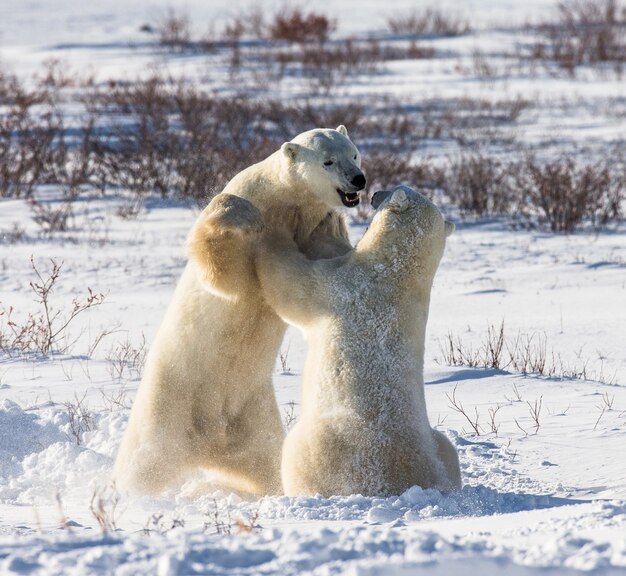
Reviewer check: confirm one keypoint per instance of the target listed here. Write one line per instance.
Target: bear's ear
(398, 201)
(342, 130)
(450, 227)
(290, 149)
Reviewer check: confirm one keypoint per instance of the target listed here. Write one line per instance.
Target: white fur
(364, 426)
(206, 398)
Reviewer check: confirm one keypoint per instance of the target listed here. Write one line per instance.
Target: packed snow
(542, 456)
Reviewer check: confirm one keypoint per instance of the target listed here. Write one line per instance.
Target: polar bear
(206, 398)
(364, 426)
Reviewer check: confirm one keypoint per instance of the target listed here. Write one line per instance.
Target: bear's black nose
(359, 181)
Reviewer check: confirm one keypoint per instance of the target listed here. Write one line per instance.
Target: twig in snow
(456, 405)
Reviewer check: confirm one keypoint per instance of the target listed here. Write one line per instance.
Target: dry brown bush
(45, 330)
(330, 65)
(586, 32)
(52, 217)
(295, 26)
(559, 193)
(429, 22)
(175, 140)
(72, 162)
(565, 193)
(34, 145)
(481, 185)
(157, 136)
(125, 359)
(387, 168)
(251, 21)
(29, 125)
(13, 235)
(174, 32)
(526, 353)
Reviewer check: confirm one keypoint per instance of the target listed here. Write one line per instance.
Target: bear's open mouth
(349, 199)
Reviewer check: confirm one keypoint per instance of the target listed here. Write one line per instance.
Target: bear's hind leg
(250, 459)
(450, 458)
(149, 467)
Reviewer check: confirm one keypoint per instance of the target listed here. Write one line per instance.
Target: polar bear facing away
(364, 427)
(206, 398)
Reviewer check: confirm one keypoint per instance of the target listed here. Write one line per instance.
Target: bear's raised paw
(231, 213)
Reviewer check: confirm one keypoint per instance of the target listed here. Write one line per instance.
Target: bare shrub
(34, 145)
(386, 169)
(116, 399)
(559, 193)
(602, 411)
(64, 522)
(28, 128)
(136, 152)
(535, 412)
(16, 233)
(483, 65)
(104, 507)
(158, 523)
(326, 67)
(494, 426)
(607, 401)
(457, 406)
(290, 119)
(475, 121)
(528, 353)
(125, 360)
(56, 76)
(489, 355)
(44, 330)
(72, 161)
(52, 217)
(565, 194)
(176, 141)
(251, 21)
(219, 519)
(525, 353)
(295, 26)
(174, 31)
(586, 32)
(248, 524)
(80, 418)
(455, 352)
(131, 208)
(289, 415)
(481, 184)
(283, 358)
(429, 22)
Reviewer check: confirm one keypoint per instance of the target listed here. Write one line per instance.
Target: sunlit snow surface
(548, 500)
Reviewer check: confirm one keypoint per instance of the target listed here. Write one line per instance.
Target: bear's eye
(355, 156)
(328, 163)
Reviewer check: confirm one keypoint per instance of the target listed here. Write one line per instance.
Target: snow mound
(40, 456)
(21, 434)
(413, 505)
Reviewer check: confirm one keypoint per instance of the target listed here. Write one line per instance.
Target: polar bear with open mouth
(206, 399)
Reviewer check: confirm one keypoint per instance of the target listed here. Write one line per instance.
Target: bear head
(328, 163)
(408, 231)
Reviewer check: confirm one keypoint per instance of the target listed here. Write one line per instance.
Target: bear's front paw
(231, 213)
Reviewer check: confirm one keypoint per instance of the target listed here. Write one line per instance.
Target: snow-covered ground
(543, 492)
(547, 497)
